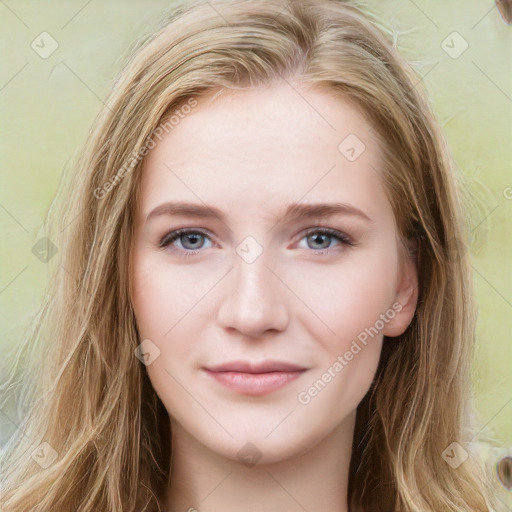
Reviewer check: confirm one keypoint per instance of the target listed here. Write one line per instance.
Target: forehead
(254, 149)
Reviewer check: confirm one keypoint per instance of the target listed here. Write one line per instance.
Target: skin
(304, 299)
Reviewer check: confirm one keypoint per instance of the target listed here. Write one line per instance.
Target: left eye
(322, 238)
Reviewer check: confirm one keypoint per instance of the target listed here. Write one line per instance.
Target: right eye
(186, 241)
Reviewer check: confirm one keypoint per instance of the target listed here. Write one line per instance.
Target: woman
(204, 346)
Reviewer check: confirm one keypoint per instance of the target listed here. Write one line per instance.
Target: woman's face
(263, 321)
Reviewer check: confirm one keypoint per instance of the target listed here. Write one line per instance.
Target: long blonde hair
(89, 398)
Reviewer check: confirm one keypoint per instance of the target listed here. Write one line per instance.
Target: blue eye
(321, 238)
(189, 240)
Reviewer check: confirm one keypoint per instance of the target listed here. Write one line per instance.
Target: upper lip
(256, 367)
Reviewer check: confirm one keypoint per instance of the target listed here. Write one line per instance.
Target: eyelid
(342, 236)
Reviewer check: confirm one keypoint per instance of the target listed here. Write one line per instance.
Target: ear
(406, 298)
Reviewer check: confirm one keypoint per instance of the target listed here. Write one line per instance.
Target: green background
(47, 105)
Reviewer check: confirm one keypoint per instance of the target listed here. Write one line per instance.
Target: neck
(315, 479)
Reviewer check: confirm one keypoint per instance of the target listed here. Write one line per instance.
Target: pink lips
(255, 379)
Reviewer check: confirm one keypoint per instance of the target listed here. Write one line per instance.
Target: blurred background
(60, 59)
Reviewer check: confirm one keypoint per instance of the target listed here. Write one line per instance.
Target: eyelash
(172, 236)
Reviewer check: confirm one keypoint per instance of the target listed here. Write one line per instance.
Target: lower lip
(255, 384)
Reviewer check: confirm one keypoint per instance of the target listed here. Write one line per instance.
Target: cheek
(349, 299)
(169, 312)
(335, 392)
(163, 295)
(352, 301)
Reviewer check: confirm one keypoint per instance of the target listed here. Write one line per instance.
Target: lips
(256, 367)
(255, 378)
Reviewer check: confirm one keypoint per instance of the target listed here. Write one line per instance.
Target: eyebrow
(293, 213)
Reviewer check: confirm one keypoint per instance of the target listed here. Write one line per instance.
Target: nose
(253, 300)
